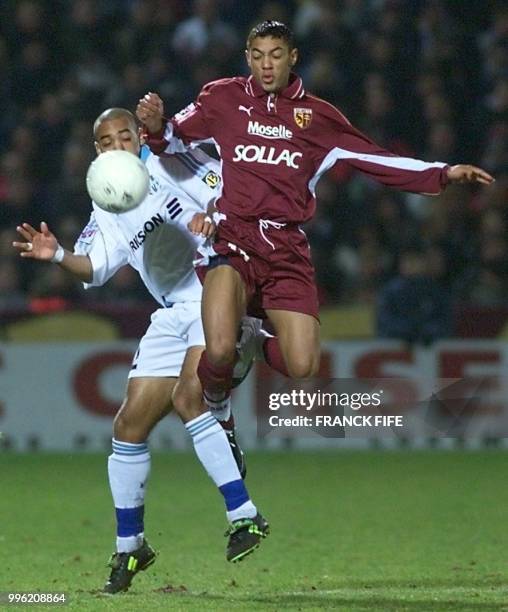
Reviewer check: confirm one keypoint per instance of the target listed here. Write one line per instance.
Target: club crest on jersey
(212, 179)
(302, 117)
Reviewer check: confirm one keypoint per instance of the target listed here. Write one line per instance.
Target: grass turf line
(350, 530)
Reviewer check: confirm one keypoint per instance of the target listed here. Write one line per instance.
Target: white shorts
(172, 331)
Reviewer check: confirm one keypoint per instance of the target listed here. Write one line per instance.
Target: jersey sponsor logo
(302, 117)
(174, 208)
(190, 108)
(148, 227)
(212, 179)
(88, 233)
(245, 109)
(154, 185)
(266, 155)
(269, 131)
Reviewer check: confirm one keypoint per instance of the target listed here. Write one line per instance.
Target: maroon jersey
(275, 147)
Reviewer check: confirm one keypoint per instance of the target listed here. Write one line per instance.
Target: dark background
(424, 78)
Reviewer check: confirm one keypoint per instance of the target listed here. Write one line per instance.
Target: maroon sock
(273, 356)
(214, 379)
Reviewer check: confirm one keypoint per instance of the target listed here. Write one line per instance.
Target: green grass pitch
(350, 531)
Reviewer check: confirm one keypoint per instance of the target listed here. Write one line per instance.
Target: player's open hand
(37, 244)
(463, 173)
(150, 111)
(202, 224)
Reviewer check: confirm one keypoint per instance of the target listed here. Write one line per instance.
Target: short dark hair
(114, 113)
(276, 29)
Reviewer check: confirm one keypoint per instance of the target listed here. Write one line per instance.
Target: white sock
(213, 450)
(128, 470)
(246, 510)
(129, 543)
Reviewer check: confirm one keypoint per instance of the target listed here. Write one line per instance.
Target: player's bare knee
(128, 430)
(303, 367)
(188, 399)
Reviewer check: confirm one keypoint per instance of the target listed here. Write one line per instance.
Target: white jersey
(153, 238)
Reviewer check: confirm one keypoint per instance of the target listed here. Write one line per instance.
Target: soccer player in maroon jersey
(275, 141)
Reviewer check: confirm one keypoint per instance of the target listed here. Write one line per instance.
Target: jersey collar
(294, 90)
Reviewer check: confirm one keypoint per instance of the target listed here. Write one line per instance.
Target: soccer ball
(117, 181)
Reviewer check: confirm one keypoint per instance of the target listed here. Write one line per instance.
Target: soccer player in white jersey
(155, 240)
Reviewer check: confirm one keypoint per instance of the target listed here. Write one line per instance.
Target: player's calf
(216, 380)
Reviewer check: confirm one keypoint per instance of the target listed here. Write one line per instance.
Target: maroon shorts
(278, 277)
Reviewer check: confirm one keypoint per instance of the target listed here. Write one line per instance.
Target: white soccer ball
(117, 181)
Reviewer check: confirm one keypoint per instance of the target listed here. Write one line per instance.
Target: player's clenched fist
(202, 224)
(150, 111)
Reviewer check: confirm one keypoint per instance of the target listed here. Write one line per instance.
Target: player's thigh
(223, 305)
(298, 336)
(147, 401)
(188, 394)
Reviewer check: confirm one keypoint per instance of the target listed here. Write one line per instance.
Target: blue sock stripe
(129, 521)
(198, 428)
(197, 432)
(126, 449)
(235, 494)
(129, 444)
(203, 424)
(198, 420)
(129, 449)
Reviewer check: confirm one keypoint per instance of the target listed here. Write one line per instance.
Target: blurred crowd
(424, 78)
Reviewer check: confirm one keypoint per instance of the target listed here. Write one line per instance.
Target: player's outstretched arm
(464, 173)
(43, 245)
